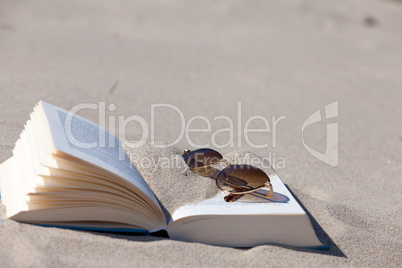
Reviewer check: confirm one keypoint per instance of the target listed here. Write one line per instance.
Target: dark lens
(202, 157)
(241, 178)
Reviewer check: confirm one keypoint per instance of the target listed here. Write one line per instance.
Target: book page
(183, 193)
(251, 220)
(87, 141)
(281, 203)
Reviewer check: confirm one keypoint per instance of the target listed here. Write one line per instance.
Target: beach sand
(287, 58)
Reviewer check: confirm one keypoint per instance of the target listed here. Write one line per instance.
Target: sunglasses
(236, 180)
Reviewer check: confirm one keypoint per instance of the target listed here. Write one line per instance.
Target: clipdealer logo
(270, 127)
(330, 156)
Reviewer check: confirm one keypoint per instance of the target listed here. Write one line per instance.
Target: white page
(282, 203)
(85, 131)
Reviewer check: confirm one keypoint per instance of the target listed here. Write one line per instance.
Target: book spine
(161, 232)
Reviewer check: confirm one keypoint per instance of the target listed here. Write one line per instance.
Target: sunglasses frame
(267, 184)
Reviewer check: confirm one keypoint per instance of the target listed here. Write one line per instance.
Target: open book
(62, 174)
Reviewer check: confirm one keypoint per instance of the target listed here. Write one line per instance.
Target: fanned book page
(92, 144)
(63, 184)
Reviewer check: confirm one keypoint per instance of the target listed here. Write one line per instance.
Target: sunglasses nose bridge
(226, 162)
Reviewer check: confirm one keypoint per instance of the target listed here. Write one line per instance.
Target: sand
(278, 58)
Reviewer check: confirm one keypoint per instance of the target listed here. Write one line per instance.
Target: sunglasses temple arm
(271, 189)
(232, 197)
